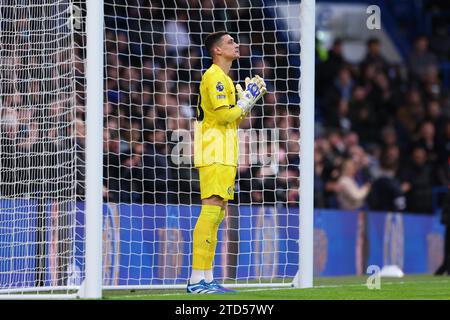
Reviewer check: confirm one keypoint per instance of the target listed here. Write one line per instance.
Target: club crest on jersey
(219, 86)
(229, 190)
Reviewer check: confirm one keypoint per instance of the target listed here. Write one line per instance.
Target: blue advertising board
(151, 244)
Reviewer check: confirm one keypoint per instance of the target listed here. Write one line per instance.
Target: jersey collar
(216, 67)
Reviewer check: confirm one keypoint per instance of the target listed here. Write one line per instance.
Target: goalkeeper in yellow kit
(216, 152)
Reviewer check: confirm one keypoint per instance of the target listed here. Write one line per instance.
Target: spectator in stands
(417, 179)
(431, 84)
(388, 137)
(438, 115)
(112, 176)
(8, 148)
(373, 161)
(412, 112)
(426, 139)
(287, 186)
(341, 121)
(444, 145)
(361, 160)
(334, 151)
(244, 171)
(366, 78)
(152, 87)
(386, 193)
(264, 185)
(340, 89)
(350, 195)
(383, 98)
(293, 148)
(176, 34)
(374, 56)
(328, 70)
(362, 115)
(420, 59)
(80, 145)
(440, 41)
(351, 139)
(445, 220)
(158, 172)
(319, 183)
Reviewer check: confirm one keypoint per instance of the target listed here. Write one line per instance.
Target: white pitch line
(182, 294)
(382, 283)
(287, 288)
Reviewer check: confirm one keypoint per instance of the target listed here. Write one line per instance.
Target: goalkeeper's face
(228, 48)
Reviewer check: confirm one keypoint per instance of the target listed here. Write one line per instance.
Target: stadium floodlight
(76, 92)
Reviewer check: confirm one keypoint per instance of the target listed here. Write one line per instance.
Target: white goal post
(307, 57)
(94, 149)
(97, 104)
(40, 171)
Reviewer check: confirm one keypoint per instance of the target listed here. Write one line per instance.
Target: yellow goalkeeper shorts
(218, 180)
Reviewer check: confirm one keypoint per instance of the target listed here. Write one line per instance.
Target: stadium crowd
(393, 121)
(383, 130)
(153, 70)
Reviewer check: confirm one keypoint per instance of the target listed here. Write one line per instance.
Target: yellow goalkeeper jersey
(215, 142)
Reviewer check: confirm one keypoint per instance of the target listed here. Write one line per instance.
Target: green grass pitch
(410, 287)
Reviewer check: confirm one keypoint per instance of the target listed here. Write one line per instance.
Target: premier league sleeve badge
(219, 86)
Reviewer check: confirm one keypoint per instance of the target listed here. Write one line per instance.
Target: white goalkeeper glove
(255, 89)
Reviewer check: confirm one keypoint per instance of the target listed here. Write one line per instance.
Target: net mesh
(153, 62)
(37, 167)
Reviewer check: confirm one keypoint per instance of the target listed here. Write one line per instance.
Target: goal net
(154, 58)
(38, 176)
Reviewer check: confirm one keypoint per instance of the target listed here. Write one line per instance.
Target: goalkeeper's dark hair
(212, 39)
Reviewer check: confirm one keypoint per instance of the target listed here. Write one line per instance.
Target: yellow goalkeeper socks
(209, 276)
(205, 237)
